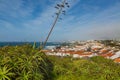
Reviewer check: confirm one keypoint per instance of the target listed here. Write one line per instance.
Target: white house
(117, 54)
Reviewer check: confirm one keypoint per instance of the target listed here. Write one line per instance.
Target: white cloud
(10, 8)
(15, 10)
(102, 25)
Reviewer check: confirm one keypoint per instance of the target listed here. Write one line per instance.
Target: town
(86, 49)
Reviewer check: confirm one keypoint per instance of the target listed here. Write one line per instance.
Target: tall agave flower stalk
(60, 10)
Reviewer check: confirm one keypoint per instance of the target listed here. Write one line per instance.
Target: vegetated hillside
(26, 63)
(23, 63)
(96, 68)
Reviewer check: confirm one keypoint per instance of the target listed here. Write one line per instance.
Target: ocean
(22, 43)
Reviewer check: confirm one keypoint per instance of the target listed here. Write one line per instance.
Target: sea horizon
(2, 44)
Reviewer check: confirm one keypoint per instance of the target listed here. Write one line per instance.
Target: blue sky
(30, 20)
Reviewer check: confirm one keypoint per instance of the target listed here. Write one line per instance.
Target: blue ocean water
(22, 43)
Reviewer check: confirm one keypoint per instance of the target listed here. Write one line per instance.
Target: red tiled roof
(70, 52)
(107, 54)
(86, 53)
(104, 51)
(79, 52)
(117, 60)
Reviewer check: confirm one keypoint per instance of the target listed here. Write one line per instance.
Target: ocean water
(22, 43)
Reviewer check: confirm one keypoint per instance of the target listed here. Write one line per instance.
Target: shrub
(23, 63)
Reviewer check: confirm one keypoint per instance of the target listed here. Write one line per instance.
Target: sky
(31, 20)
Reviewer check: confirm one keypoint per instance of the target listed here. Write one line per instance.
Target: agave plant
(24, 75)
(37, 75)
(5, 73)
(26, 63)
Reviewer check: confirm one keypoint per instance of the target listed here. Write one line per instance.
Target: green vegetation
(111, 43)
(23, 63)
(96, 68)
(27, 63)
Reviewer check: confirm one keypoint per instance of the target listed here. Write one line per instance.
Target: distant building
(117, 55)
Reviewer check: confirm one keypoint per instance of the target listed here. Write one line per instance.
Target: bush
(96, 68)
(23, 63)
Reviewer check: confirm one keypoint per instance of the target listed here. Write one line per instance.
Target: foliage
(96, 68)
(28, 63)
(23, 63)
(112, 43)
